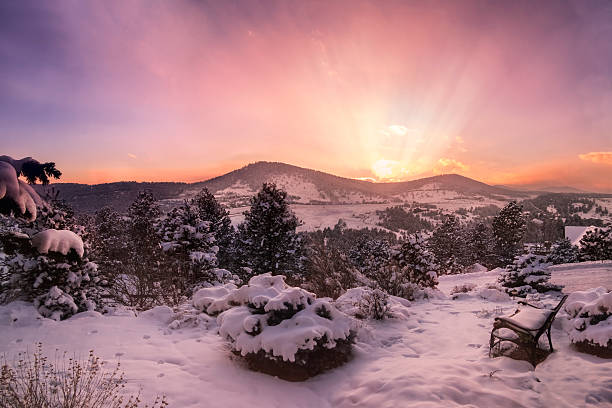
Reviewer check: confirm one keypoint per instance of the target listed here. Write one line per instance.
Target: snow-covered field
(326, 215)
(583, 275)
(435, 354)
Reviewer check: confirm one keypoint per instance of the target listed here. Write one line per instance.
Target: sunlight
(388, 169)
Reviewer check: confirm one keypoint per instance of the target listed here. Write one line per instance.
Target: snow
(589, 316)
(582, 275)
(530, 318)
(61, 241)
(19, 192)
(435, 355)
(250, 331)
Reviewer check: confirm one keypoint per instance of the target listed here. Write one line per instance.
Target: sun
(386, 169)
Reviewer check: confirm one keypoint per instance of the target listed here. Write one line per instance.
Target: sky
(516, 92)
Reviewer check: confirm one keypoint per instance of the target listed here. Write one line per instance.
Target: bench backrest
(551, 316)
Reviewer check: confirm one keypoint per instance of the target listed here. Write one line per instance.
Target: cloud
(131, 155)
(597, 157)
(446, 166)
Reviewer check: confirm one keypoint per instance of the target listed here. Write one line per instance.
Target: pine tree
(109, 241)
(479, 240)
(35, 265)
(527, 274)
(370, 254)
(328, 272)
(563, 252)
(508, 230)
(267, 239)
(596, 245)
(447, 246)
(411, 269)
(190, 249)
(142, 286)
(209, 209)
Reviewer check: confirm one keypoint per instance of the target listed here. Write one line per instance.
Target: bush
(279, 330)
(589, 313)
(464, 288)
(563, 252)
(527, 274)
(374, 304)
(33, 381)
(52, 271)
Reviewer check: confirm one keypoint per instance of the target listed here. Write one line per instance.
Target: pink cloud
(597, 157)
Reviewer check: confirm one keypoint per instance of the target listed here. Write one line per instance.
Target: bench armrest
(522, 302)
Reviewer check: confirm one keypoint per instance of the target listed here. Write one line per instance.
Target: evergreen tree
(508, 231)
(479, 241)
(109, 241)
(370, 254)
(527, 274)
(267, 239)
(209, 209)
(596, 245)
(416, 262)
(448, 247)
(563, 252)
(142, 286)
(190, 249)
(328, 272)
(42, 260)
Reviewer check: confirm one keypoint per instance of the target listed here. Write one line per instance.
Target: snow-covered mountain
(304, 186)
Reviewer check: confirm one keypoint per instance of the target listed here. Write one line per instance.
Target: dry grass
(31, 380)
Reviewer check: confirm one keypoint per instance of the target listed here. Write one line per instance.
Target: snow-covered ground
(434, 355)
(326, 215)
(583, 275)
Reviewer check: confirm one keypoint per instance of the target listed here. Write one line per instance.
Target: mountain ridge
(304, 186)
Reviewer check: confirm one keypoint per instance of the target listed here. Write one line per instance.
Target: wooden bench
(528, 324)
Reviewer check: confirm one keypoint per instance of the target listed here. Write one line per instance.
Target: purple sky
(504, 92)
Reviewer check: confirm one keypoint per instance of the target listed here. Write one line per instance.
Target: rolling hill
(304, 186)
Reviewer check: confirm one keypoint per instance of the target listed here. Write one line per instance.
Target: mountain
(543, 188)
(304, 186)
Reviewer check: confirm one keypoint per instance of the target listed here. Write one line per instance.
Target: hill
(304, 186)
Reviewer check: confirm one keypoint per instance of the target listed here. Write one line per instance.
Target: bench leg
(549, 340)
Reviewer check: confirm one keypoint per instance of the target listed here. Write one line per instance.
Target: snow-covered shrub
(528, 274)
(563, 252)
(52, 271)
(463, 288)
(374, 304)
(368, 303)
(278, 329)
(591, 325)
(596, 245)
(34, 380)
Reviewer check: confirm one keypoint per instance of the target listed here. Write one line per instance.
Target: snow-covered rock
(61, 241)
(270, 316)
